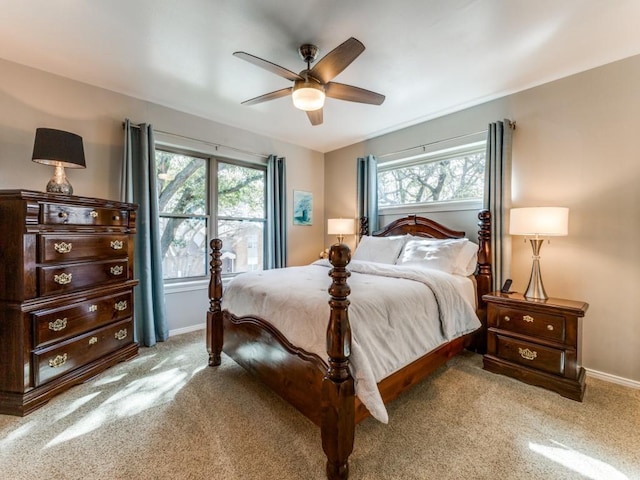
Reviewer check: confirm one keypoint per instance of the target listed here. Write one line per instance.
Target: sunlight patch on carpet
(590, 467)
(73, 406)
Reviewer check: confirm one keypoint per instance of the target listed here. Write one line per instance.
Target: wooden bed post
(484, 276)
(338, 391)
(214, 315)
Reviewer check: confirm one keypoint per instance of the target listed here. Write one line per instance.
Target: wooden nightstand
(536, 341)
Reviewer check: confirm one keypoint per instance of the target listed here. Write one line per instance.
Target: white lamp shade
(340, 226)
(539, 221)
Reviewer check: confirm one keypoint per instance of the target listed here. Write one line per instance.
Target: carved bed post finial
(214, 315)
(338, 391)
(364, 227)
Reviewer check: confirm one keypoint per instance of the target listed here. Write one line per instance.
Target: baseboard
(607, 377)
(189, 329)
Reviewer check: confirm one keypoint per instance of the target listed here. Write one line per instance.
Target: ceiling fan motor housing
(308, 52)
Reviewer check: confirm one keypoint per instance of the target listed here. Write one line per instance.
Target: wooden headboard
(425, 227)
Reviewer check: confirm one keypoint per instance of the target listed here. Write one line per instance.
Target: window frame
(426, 157)
(211, 214)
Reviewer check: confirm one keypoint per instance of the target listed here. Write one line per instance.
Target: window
(447, 175)
(203, 197)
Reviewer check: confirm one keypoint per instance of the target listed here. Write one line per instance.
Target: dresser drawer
(67, 278)
(79, 351)
(530, 354)
(61, 248)
(61, 214)
(534, 324)
(76, 318)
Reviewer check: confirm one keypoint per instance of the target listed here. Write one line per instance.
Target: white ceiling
(429, 57)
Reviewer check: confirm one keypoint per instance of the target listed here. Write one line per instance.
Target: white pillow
(379, 249)
(433, 253)
(467, 259)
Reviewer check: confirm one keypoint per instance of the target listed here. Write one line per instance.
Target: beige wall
(30, 98)
(575, 145)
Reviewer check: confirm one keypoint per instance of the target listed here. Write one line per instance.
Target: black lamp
(60, 149)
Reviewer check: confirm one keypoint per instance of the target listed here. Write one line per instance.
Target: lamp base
(59, 182)
(535, 289)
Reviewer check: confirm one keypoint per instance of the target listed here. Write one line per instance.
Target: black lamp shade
(57, 147)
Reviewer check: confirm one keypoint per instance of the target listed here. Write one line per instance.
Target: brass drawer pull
(93, 340)
(116, 217)
(506, 318)
(59, 324)
(117, 270)
(63, 278)
(58, 361)
(63, 215)
(527, 354)
(121, 305)
(93, 214)
(528, 318)
(550, 328)
(117, 244)
(121, 334)
(62, 247)
(93, 308)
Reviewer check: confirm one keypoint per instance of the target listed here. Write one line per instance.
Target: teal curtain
(497, 196)
(367, 193)
(139, 186)
(276, 251)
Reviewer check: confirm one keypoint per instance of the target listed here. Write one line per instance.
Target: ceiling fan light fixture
(308, 95)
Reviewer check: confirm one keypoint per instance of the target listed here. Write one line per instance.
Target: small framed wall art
(302, 208)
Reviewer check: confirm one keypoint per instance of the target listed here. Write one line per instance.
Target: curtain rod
(429, 144)
(216, 145)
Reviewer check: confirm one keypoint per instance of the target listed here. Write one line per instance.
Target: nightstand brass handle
(62, 247)
(63, 215)
(93, 214)
(58, 361)
(528, 318)
(527, 354)
(506, 318)
(550, 328)
(93, 308)
(93, 340)
(59, 324)
(116, 217)
(121, 334)
(63, 278)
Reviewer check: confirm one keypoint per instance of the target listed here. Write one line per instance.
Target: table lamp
(340, 227)
(537, 223)
(59, 149)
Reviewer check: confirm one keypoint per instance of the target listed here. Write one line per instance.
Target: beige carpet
(165, 415)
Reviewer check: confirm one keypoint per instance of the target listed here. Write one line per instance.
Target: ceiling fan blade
(272, 67)
(337, 60)
(268, 96)
(352, 94)
(315, 117)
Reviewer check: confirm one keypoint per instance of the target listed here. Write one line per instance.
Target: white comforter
(428, 310)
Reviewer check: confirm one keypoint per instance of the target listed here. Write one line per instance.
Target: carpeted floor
(165, 415)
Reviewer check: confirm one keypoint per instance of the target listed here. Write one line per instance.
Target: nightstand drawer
(530, 354)
(534, 324)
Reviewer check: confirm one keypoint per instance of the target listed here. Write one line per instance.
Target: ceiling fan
(311, 85)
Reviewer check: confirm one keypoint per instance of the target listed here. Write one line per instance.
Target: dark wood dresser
(66, 293)
(537, 342)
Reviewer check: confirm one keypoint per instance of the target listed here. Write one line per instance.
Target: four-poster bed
(322, 390)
